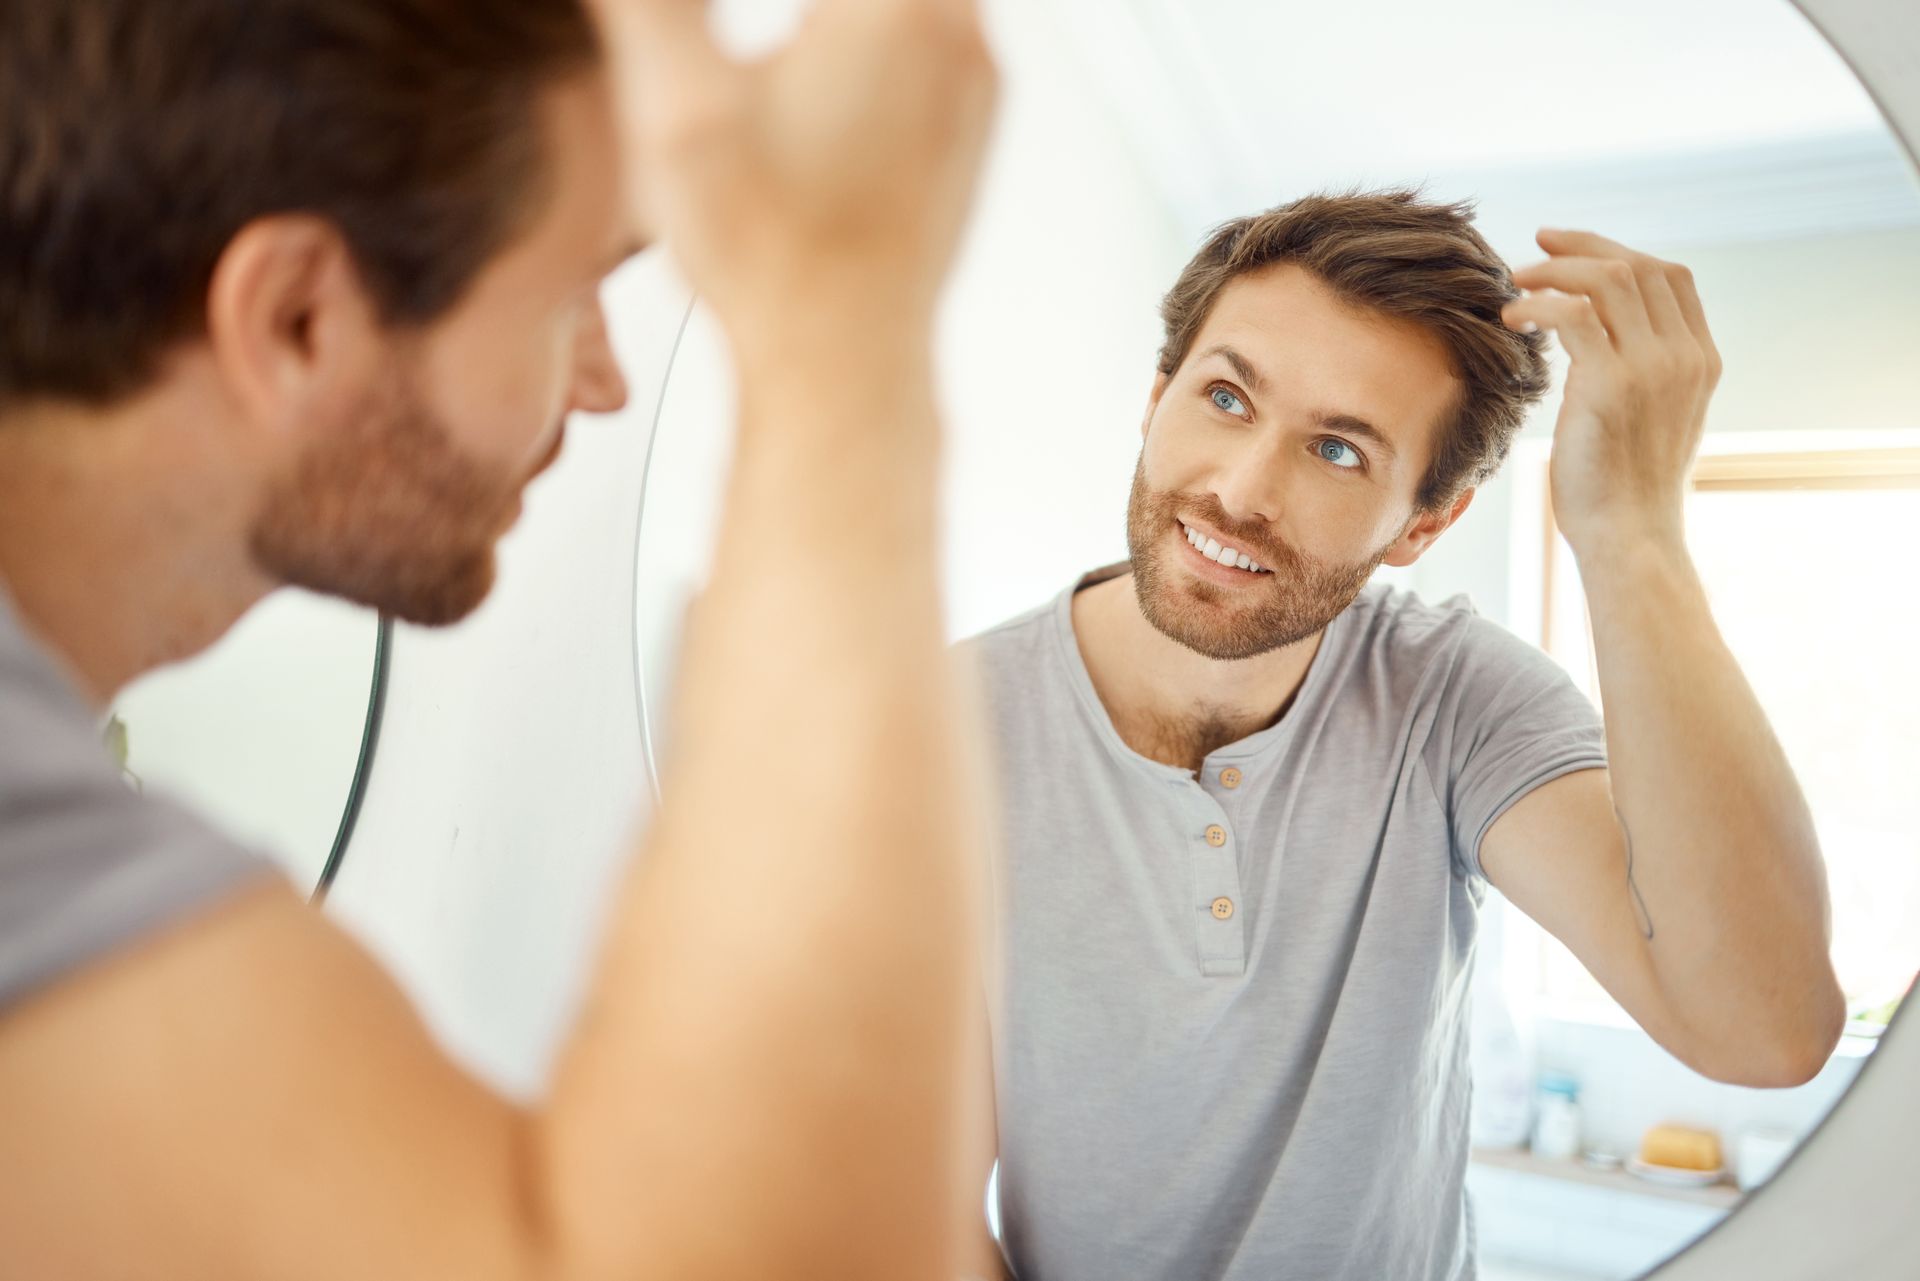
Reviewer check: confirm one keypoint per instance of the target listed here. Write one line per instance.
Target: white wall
(262, 732)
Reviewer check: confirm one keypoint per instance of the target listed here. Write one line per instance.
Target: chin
(449, 600)
(428, 591)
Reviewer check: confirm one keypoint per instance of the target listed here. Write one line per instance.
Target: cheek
(1176, 451)
(501, 398)
(1361, 524)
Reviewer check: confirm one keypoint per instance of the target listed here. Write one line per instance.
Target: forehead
(1320, 353)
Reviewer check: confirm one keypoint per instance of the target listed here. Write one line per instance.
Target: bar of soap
(1680, 1148)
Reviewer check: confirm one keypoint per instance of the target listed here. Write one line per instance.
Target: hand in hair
(1643, 367)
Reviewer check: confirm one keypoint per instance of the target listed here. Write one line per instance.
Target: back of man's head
(137, 137)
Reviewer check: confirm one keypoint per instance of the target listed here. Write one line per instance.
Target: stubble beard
(1297, 600)
(387, 512)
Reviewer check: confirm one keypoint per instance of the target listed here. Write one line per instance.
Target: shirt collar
(1258, 745)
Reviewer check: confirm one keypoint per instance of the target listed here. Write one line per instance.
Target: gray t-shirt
(1233, 1035)
(86, 866)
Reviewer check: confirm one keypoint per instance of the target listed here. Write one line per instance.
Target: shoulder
(1415, 653)
(1014, 646)
(1024, 673)
(1391, 630)
(1407, 630)
(86, 866)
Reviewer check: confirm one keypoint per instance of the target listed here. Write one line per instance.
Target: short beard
(383, 510)
(1300, 598)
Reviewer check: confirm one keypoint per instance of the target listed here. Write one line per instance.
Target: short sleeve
(1509, 720)
(86, 866)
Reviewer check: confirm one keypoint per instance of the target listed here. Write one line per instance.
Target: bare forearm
(776, 1044)
(1726, 877)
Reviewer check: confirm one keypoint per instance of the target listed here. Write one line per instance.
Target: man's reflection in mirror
(1254, 803)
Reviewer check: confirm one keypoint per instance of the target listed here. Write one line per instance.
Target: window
(1805, 558)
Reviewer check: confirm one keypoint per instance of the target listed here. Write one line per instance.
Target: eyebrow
(1326, 420)
(1351, 426)
(1241, 365)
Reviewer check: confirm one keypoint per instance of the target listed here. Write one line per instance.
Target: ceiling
(1237, 104)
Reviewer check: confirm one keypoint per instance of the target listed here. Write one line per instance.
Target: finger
(1609, 282)
(1563, 242)
(1571, 318)
(1686, 296)
(1654, 276)
(663, 43)
(968, 9)
(1663, 309)
(1679, 279)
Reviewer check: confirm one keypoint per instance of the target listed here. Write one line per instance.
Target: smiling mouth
(1220, 554)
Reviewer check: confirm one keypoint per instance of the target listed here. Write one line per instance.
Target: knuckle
(1618, 273)
(693, 122)
(954, 29)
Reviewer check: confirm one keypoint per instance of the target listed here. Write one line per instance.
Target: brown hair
(1393, 252)
(137, 137)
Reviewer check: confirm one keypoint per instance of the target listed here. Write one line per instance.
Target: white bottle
(1556, 1122)
(1502, 1075)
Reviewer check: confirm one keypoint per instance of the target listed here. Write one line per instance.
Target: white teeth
(1213, 551)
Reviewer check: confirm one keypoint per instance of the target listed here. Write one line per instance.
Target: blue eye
(1227, 401)
(1339, 453)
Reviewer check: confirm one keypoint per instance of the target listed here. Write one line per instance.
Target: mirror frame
(363, 765)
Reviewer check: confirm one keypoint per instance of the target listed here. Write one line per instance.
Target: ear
(1160, 382)
(1427, 526)
(290, 324)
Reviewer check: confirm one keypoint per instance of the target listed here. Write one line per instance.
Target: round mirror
(271, 732)
(1723, 134)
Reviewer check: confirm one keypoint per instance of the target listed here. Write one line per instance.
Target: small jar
(1556, 1122)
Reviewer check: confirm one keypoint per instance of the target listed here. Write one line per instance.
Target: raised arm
(1687, 876)
(768, 1080)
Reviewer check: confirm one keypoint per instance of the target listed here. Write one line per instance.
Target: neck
(1167, 702)
(123, 540)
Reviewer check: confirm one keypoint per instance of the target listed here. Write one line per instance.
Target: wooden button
(1216, 836)
(1230, 777)
(1223, 908)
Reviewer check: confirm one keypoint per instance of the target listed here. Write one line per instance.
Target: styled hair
(1394, 253)
(138, 137)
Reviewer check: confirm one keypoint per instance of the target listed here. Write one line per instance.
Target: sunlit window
(1803, 556)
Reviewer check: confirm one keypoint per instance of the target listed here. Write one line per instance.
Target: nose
(1251, 482)
(599, 386)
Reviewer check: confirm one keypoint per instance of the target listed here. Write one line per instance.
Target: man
(1253, 804)
(300, 291)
